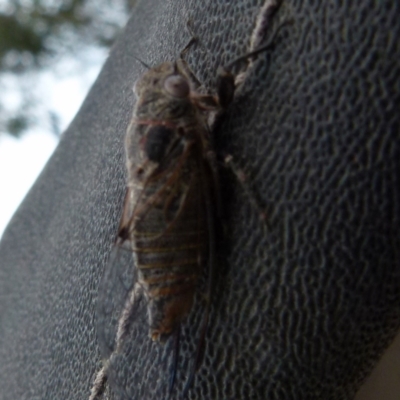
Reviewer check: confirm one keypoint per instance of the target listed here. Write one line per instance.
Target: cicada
(168, 215)
(169, 210)
(170, 207)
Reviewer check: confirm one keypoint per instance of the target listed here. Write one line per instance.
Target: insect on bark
(170, 205)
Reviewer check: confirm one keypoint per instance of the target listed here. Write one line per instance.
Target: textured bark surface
(301, 311)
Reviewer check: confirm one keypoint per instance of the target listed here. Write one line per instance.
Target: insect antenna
(142, 62)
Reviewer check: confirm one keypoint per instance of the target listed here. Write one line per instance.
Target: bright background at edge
(21, 160)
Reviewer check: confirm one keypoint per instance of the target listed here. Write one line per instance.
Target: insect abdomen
(168, 254)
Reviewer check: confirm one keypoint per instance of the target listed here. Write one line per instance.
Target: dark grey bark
(300, 311)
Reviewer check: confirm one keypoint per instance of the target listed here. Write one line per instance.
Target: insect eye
(177, 86)
(157, 141)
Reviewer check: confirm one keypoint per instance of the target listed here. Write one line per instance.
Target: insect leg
(241, 177)
(203, 100)
(227, 81)
(193, 38)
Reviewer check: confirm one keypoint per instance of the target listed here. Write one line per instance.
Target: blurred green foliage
(36, 33)
(14, 36)
(17, 124)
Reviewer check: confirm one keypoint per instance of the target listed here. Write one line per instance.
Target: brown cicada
(169, 212)
(168, 216)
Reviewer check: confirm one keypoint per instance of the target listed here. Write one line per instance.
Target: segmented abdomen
(168, 240)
